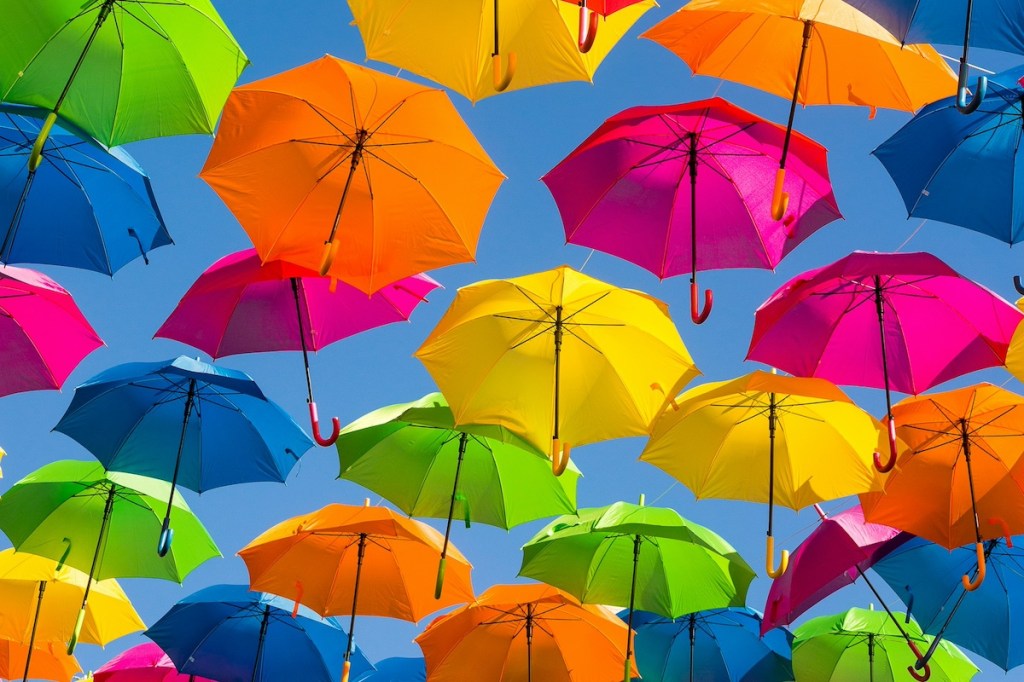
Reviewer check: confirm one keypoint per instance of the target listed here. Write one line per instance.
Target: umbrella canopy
(519, 633)
(229, 634)
(718, 645)
(622, 191)
(94, 63)
(43, 334)
(412, 455)
(239, 305)
(482, 47)
(48, 662)
(589, 361)
(716, 435)
(330, 154)
(858, 645)
(93, 207)
(142, 663)
(395, 670)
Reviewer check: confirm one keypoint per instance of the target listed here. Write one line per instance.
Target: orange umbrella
(49, 661)
(961, 479)
(343, 558)
(366, 177)
(514, 631)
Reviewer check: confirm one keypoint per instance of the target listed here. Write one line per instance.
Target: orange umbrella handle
(327, 259)
(972, 585)
(780, 199)
(314, 421)
(696, 314)
(346, 668)
(501, 83)
(887, 467)
(559, 456)
(588, 28)
(770, 557)
(672, 401)
(921, 677)
(1001, 522)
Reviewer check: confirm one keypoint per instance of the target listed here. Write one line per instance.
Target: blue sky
(526, 133)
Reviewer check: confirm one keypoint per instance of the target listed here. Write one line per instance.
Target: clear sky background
(526, 133)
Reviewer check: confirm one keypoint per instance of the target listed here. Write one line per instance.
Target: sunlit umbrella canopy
(48, 662)
(395, 670)
(142, 663)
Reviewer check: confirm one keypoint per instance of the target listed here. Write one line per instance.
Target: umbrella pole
(770, 541)
(8, 245)
(559, 450)
(698, 316)
(529, 643)
(439, 584)
(35, 624)
(693, 638)
(632, 601)
(971, 585)
(871, 657)
(347, 666)
(962, 104)
(780, 199)
(166, 534)
(880, 312)
(499, 81)
(108, 509)
(331, 245)
(259, 646)
(314, 420)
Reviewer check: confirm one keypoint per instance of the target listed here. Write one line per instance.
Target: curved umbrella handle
(36, 157)
(1018, 285)
(327, 259)
(972, 585)
(588, 28)
(696, 314)
(461, 499)
(501, 83)
(672, 401)
(912, 669)
(769, 559)
(780, 199)
(559, 456)
(1001, 522)
(64, 555)
(965, 107)
(314, 421)
(888, 465)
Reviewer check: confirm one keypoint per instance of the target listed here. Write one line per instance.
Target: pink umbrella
(622, 191)
(898, 321)
(240, 306)
(143, 663)
(43, 334)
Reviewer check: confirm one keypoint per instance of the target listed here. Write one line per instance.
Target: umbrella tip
(642, 498)
(366, 502)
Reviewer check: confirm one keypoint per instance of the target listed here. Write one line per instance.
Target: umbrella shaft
(880, 311)
(966, 439)
(871, 658)
(463, 438)
(355, 596)
(8, 245)
(693, 638)
(189, 402)
(35, 625)
(496, 50)
(632, 599)
(104, 524)
(104, 12)
(357, 156)
(693, 205)
(881, 601)
(529, 643)
(796, 92)
(558, 363)
(259, 646)
(772, 422)
(302, 337)
(967, 36)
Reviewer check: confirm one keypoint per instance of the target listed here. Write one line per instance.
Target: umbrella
(855, 645)
(48, 662)
(404, 185)
(76, 513)
(94, 207)
(812, 52)
(239, 305)
(186, 422)
(621, 191)
(395, 670)
(718, 434)
(142, 663)
(40, 600)
(463, 48)
(869, 319)
(43, 334)
(648, 558)
(927, 578)
(412, 455)
(513, 633)
(718, 645)
(319, 560)
(229, 634)
(588, 361)
(959, 480)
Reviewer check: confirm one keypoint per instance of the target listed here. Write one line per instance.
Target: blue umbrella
(186, 422)
(396, 670)
(229, 634)
(989, 621)
(717, 645)
(92, 208)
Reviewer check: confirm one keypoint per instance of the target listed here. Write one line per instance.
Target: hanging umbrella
(94, 208)
(48, 662)
(239, 305)
(540, 41)
(43, 334)
(518, 633)
(959, 480)
(412, 455)
(229, 634)
(858, 645)
(395, 670)
(622, 191)
(588, 361)
(717, 645)
(717, 435)
(77, 514)
(186, 422)
(647, 558)
(404, 185)
(870, 319)
(142, 663)
(327, 560)
(812, 52)
(40, 600)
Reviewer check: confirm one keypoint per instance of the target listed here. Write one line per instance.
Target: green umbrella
(78, 514)
(412, 455)
(865, 646)
(647, 558)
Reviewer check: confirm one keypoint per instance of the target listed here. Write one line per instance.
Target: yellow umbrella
(461, 43)
(811, 51)
(558, 358)
(717, 436)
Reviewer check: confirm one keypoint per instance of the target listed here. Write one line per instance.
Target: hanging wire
(587, 260)
(912, 235)
(956, 60)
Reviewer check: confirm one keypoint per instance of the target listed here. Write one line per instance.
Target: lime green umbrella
(412, 455)
(866, 646)
(78, 514)
(647, 558)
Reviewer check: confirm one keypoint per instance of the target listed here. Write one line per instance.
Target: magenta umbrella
(871, 319)
(143, 663)
(624, 191)
(43, 334)
(242, 306)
